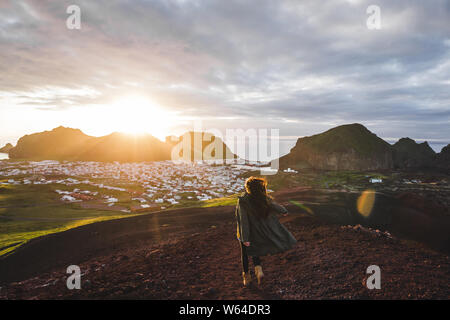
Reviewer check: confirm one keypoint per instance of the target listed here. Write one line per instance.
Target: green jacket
(266, 235)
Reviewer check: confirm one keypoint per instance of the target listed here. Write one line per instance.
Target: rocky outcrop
(6, 148)
(409, 154)
(347, 147)
(442, 159)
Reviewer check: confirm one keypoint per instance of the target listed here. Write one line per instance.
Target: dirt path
(201, 261)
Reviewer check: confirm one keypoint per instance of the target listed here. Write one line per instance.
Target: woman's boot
(259, 273)
(247, 278)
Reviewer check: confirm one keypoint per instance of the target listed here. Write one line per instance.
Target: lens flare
(365, 202)
(302, 206)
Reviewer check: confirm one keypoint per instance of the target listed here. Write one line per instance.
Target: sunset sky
(156, 66)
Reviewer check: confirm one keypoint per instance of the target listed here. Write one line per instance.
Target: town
(149, 184)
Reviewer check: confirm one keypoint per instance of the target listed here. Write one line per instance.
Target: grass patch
(14, 233)
(218, 202)
(225, 201)
(30, 211)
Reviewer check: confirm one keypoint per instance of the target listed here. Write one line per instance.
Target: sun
(138, 115)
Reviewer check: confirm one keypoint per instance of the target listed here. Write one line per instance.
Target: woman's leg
(258, 269)
(244, 257)
(256, 261)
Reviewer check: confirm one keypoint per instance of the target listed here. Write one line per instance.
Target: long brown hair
(256, 188)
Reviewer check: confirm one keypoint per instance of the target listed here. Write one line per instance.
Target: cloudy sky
(298, 66)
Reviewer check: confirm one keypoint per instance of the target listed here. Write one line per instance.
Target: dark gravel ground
(193, 254)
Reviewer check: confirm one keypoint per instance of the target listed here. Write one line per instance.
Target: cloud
(296, 65)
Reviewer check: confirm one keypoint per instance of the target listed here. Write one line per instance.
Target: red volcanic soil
(193, 254)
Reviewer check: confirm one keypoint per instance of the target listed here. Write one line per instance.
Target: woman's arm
(244, 226)
(278, 208)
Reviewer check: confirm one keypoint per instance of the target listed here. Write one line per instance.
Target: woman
(258, 229)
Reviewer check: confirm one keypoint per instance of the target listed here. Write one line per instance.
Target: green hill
(346, 147)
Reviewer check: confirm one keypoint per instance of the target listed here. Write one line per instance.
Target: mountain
(210, 144)
(346, 147)
(72, 144)
(442, 159)
(409, 154)
(127, 148)
(58, 144)
(6, 148)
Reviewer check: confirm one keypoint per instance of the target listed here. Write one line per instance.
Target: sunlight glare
(138, 115)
